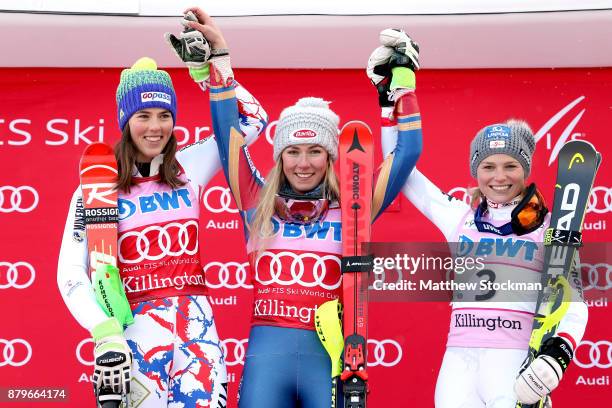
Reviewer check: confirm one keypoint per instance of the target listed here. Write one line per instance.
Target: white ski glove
(544, 373)
(113, 362)
(403, 44)
(391, 66)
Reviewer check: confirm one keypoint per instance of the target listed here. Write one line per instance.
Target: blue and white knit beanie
(144, 86)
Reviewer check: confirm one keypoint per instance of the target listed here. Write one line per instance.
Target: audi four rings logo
(20, 199)
(600, 200)
(86, 343)
(218, 199)
(384, 353)
(154, 242)
(596, 276)
(590, 354)
(18, 275)
(16, 352)
(230, 275)
(234, 351)
(307, 269)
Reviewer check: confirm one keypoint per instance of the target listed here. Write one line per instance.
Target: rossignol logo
(156, 97)
(101, 215)
(304, 134)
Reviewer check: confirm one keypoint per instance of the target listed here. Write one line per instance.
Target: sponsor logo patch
(156, 97)
(497, 144)
(304, 134)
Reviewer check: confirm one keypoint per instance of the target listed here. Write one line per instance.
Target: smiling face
(150, 129)
(304, 166)
(500, 178)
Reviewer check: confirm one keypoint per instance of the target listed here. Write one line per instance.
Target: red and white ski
(98, 171)
(356, 151)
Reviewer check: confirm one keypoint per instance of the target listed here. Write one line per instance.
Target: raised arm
(199, 45)
(391, 68)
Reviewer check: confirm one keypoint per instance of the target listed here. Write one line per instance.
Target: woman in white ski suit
(488, 339)
(177, 358)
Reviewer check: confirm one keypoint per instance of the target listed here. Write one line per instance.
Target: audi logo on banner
(18, 275)
(594, 354)
(307, 269)
(85, 357)
(600, 200)
(218, 199)
(230, 275)
(461, 193)
(20, 199)
(384, 353)
(154, 242)
(15, 352)
(269, 133)
(234, 351)
(596, 276)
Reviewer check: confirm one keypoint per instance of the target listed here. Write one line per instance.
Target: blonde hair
(261, 227)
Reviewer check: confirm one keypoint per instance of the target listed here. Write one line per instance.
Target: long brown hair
(261, 227)
(125, 153)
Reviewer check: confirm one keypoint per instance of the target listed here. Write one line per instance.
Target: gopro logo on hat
(156, 97)
(304, 134)
(497, 132)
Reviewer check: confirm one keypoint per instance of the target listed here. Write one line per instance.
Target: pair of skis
(98, 174)
(577, 165)
(348, 354)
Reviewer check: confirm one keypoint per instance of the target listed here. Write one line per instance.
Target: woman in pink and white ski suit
(488, 338)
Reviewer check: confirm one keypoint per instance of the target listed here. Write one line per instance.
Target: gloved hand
(192, 48)
(403, 44)
(113, 362)
(391, 66)
(545, 371)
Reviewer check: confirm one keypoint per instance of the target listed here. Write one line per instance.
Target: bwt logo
(18, 275)
(22, 199)
(156, 97)
(568, 132)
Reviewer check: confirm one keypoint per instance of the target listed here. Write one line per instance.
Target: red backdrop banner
(47, 116)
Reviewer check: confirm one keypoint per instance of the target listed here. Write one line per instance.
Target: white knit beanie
(308, 121)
